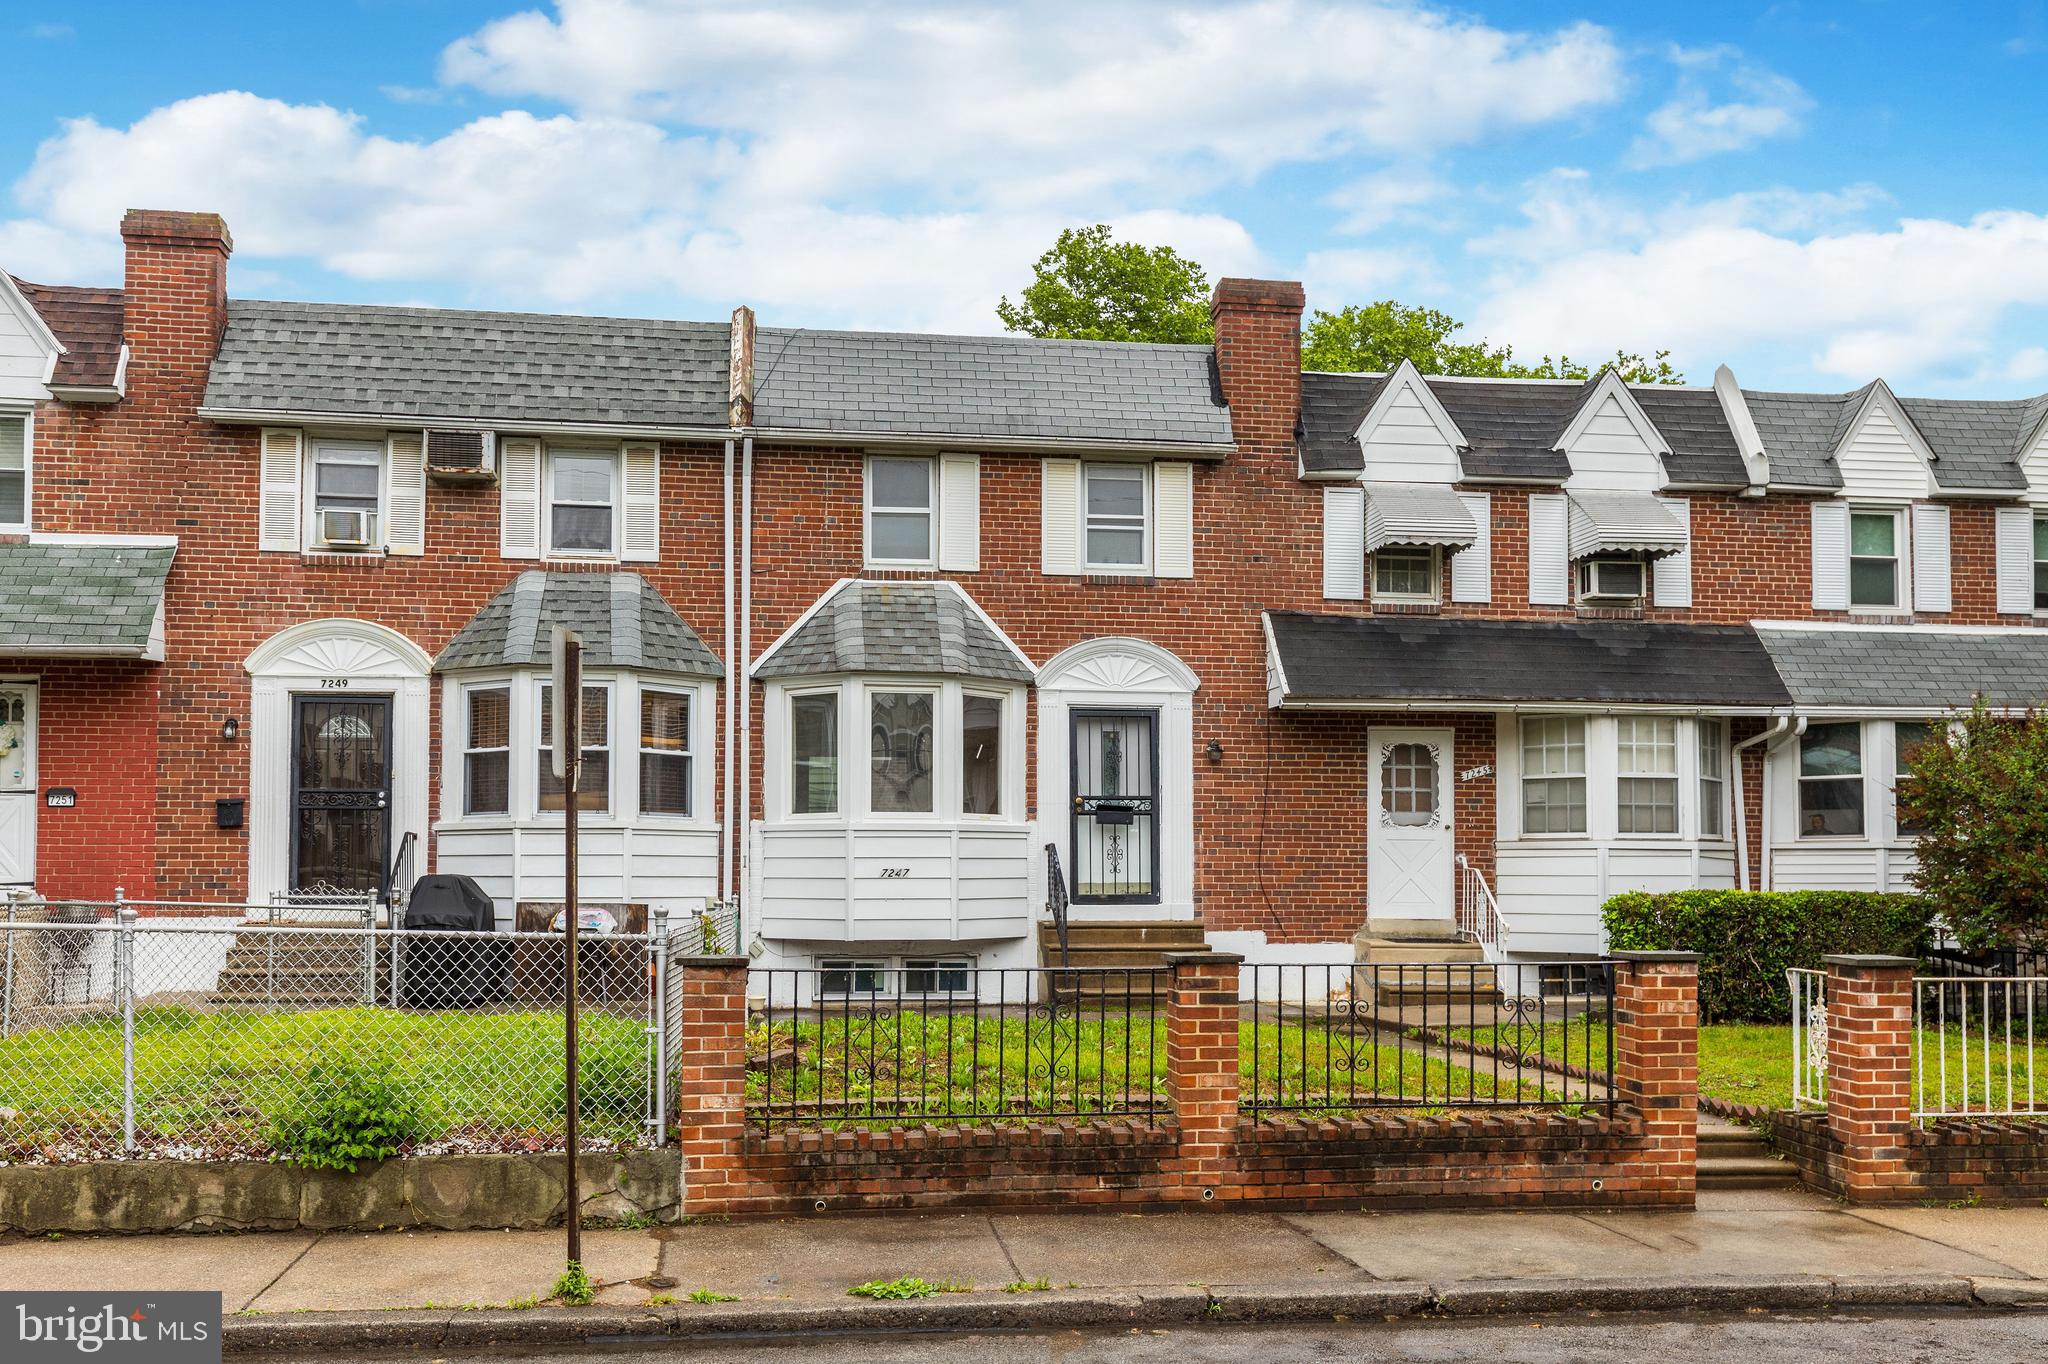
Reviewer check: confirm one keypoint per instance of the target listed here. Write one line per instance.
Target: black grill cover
(450, 902)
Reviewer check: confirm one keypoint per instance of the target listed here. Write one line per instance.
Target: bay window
(1831, 781)
(666, 758)
(1554, 775)
(1713, 768)
(594, 782)
(814, 753)
(1907, 735)
(1646, 783)
(981, 754)
(923, 752)
(900, 752)
(487, 751)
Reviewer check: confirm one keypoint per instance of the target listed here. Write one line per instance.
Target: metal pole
(7, 977)
(657, 979)
(569, 739)
(124, 985)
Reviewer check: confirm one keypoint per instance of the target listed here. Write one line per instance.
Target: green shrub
(347, 1112)
(1747, 939)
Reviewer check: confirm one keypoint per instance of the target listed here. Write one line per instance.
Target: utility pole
(567, 719)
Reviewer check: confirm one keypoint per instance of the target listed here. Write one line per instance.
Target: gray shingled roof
(1085, 392)
(1895, 668)
(1514, 426)
(1426, 658)
(1977, 445)
(81, 600)
(896, 627)
(624, 622)
(509, 367)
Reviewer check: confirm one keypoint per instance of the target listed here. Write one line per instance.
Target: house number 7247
(895, 873)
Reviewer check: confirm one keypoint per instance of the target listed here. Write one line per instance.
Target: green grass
(213, 1078)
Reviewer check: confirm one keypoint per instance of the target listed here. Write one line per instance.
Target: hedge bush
(1747, 939)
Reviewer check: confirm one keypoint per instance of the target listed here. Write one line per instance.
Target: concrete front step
(1733, 1156)
(1184, 935)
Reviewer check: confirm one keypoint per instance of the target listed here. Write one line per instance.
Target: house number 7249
(334, 684)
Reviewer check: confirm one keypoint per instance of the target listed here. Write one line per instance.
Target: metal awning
(1623, 523)
(1416, 514)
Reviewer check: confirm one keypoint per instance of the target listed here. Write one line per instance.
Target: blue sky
(1813, 194)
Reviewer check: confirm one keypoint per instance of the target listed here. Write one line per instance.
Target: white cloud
(1373, 201)
(1696, 123)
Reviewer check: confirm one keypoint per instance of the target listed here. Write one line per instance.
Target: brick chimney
(1258, 359)
(177, 294)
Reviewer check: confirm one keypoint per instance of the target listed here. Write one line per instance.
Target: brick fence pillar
(1870, 1071)
(1656, 1064)
(710, 1079)
(1201, 1069)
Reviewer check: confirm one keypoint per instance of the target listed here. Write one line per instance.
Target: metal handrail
(1056, 899)
(398, 878)
(1475, 894)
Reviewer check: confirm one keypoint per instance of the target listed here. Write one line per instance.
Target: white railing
(1809, 991)
(1478, 911)
(1974, 1046)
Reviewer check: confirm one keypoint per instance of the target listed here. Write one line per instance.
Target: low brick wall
(1208, 1152)
(449, 1193)
(1949, 1161)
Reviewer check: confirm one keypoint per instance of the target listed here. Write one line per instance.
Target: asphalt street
(1948, 1337)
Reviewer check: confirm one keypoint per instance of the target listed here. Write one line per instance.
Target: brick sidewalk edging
(1208, 1153)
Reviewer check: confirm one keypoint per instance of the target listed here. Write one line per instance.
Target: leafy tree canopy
(1090, 287)
(1978, 791)
(1379, 336)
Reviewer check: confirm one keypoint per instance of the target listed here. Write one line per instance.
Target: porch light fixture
(231, 729)
(1215, 750)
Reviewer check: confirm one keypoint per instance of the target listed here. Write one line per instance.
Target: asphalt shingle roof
(1977, 445)
(1514, 426)
(1798, 432)
(896, 627)
(89, 322)
(624, 623)
(88, 600)
(1085, 392)
(1424, 658)
(509, 367)
(1897, 668)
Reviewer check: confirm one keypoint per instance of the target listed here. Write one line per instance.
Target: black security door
(341, 792)
(1115, 765)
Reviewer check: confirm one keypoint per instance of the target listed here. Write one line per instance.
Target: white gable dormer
(2034, 460)
(28, 349)
(1881, 455)
(1407, 436)
(1612, 443)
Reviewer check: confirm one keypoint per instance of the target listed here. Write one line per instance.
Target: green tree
(1090, 287)
(1379, 336)
(1978, 791)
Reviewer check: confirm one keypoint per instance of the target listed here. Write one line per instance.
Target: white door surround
(1120, 673)
(333, 657)
(1410, 854)
(18, 783)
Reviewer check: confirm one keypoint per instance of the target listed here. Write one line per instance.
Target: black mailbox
(227, 814)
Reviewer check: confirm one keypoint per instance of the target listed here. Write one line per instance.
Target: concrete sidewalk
(794, 1270)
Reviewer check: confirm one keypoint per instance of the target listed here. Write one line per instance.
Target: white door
(1409, 854)
(17, 783)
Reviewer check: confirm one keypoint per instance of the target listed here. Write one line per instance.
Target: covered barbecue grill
(446, 971)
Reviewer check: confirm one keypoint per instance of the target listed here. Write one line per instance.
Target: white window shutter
(1060, 515)
(2015, 561)
(960, 513)
(1671, 577)
(1344, 544)
(405, 504)
(1173, 517)
(519, 497)
(1830, 556)
(1550, 567)
(1472, 566)
(640, 503)
(1931, 558)
(282, 464)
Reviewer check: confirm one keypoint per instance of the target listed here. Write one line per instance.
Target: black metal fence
(942, 1042)
(1341, 1037)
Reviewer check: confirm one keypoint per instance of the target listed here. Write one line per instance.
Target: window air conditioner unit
(461, 456)
(347, 527)
(1611, 580)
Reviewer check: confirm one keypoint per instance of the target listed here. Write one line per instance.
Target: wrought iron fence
(1809, 990)
(1331, 1038)
(1976, 1046)
(941, 1042)
(216, 1032)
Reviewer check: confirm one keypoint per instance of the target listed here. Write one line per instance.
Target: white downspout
(746, 681)
(727, 854)
(1741, 821)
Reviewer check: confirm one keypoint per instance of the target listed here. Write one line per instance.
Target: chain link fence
(220, 1031)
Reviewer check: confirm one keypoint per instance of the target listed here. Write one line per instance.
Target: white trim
(1276, 667)
(1879, 394)
(55, 537)
(1610, 385)
(1749, 443)
(1406, 375)
(1918, 629)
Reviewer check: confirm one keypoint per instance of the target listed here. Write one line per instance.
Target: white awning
(1623, 523)
(1416, 514)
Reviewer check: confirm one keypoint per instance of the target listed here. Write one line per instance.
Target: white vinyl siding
(281, 458)
(1609, 446)
(1402, 442)
(640, 509)
(1931, 570)
(1060, 516)
(14, 476)
(1881, 461)
(519, 498)
(405, 501)
(960, 513)
(1173, 516)
(1344, 544)
(1671, 576)
(1830, 556)
(1472, 566)
(2016, 557)
(1549, 560)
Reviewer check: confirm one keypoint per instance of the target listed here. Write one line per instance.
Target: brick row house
(1302, 662)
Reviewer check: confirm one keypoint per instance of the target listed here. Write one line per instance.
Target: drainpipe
(1777, 731)
(726, 854)
(746, 661)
